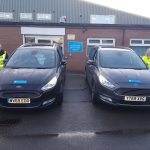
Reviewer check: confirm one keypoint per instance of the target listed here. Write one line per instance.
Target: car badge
(135, 85)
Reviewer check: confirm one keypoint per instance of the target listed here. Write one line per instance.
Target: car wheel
(59, 98)
(94, 96)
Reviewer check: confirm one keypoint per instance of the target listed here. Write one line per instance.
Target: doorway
(43, 39)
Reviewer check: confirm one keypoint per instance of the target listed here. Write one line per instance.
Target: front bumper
(37, 99)
(116, 98)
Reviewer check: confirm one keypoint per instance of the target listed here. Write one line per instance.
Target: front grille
(133, 92)
(19, 94)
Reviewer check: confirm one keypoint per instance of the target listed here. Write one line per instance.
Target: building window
(107, 42)
(140, 46)
(94, 41)
(136, 42)
(25, 16)
(47, 17)
(102, 19)
(147, 42)
(46, 41)
(6, 15)
(99, 42)
(139, 42)
(29, 39)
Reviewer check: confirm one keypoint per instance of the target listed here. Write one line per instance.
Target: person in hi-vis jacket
(3, 56)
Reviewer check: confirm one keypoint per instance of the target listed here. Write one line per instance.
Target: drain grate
(9, 122)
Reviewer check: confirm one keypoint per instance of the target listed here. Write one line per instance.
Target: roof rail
(37, 44)
(123, 47)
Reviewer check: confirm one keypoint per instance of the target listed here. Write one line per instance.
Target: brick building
(78, 25)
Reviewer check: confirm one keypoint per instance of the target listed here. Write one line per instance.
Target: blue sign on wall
(74, 47)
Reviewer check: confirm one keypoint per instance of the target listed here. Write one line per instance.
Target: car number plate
(135, 98)
(19, 100)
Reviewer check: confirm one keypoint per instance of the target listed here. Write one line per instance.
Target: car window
(32, 58)
(58, 59)
(121, 59)
(92, 53)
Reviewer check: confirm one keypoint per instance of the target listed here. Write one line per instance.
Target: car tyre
(59, 97)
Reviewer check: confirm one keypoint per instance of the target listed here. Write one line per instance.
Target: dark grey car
(118, 76)
(33, 77)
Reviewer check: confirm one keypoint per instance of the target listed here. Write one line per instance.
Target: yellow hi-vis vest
(146, 60)
(2, 58)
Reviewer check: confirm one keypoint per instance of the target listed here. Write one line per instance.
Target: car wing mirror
(91, 62)
(68, 55)
(63, 62)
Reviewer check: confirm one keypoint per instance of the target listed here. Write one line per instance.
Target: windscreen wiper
(139, 68)
(19, 67)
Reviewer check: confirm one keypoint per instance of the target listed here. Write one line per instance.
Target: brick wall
(78, 60)
(10, 38)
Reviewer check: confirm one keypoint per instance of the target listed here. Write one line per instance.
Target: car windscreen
(120, 59)
(32, 58)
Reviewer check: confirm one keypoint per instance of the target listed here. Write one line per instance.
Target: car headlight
(50, 84)
(105, 82)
